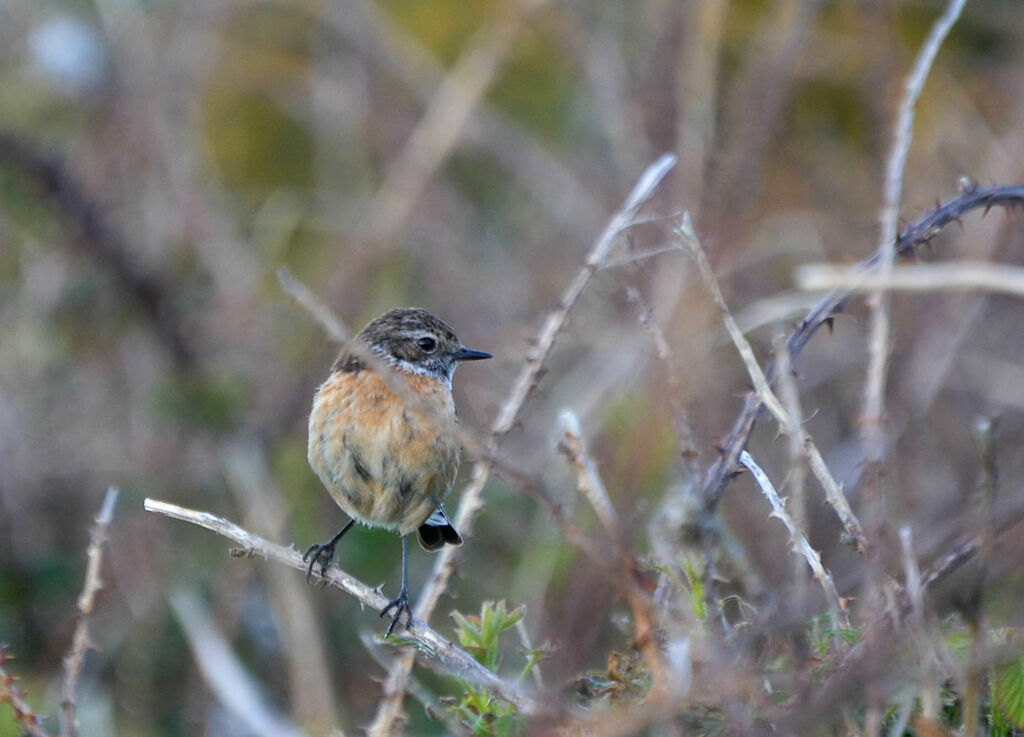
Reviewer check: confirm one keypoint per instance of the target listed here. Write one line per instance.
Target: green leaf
(1008, 692)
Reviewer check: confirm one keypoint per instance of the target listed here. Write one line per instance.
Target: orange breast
(385, 460)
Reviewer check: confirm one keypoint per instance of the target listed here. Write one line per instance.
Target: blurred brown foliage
(159, 161)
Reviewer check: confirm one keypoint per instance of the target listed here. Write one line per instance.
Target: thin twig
(878, 301)
(833, 491)
(796, 474)
(328, 319)
(80, 641)
(825, 309)
(956, 276)
(591, 487)
(14, 697)
(680, 420)
(588, 480)
(442, 652)
(390, 707)
(798, 540)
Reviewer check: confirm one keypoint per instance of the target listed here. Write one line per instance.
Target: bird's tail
(437, 531)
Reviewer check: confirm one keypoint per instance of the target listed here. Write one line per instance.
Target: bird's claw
(400, 604)
(324, 553)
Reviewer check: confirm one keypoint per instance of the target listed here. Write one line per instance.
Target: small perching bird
(383, 438)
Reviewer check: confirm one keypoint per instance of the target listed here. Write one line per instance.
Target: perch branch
(436, 648)
(80, 641)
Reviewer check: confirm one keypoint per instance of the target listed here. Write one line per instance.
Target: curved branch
(911, 236)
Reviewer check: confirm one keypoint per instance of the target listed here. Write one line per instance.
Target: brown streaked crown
(411, 339)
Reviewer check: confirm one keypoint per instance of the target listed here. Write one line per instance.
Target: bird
(383, 436)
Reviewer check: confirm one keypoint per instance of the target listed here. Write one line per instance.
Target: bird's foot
(322, 553)
(399, 604)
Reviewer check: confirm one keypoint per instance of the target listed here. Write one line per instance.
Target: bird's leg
(401, 602)
(324, 553)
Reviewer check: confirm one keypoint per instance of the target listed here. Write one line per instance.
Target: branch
(436, 648)
(822, 313)
(798, 539)
(762, 388)
(957, 276)
(80, 641)
(390, 708)
(320, 311)
(14, 697)
(878, 301)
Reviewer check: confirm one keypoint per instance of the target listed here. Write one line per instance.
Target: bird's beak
(465, 354)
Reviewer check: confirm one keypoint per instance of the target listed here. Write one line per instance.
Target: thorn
(830, 324)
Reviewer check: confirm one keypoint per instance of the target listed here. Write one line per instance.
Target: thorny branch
(797, 539)
(762, 388)
(438, 649)
(80, 642)
(919, 232)
(14, 697)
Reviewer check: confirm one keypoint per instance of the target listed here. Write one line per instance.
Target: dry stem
(956, 276)
(321, 312)
(833, 492)
(15, 698)
(80, 641)
(874, 392)
(447, 656)
(798, 539)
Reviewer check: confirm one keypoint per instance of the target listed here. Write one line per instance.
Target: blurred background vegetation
(161, 160)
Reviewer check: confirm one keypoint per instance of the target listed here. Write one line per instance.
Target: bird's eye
(427, 345)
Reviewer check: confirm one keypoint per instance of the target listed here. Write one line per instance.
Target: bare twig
(833, 492)
(590, 485)
(588, 480)
(440, 651)
(80, 641)
(798, 540)
(680, 420)
(956, 276)
(14, 697)
(878, 346)
(913, 235)
(796, 474)
(321, 312)
(390, 707)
